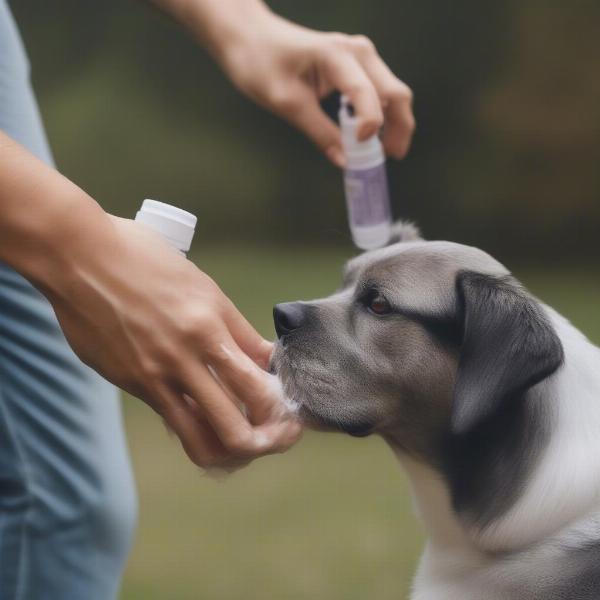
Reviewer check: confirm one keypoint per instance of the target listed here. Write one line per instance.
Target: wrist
(49, 248)
(39, 207)
(221, 25)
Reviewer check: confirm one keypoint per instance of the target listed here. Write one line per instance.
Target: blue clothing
(67, 499)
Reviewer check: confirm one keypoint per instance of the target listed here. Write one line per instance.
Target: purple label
(367, 196)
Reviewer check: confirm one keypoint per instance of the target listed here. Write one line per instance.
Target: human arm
(288, 68)
(140, 314)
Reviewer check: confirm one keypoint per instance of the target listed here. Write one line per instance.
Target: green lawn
(329, 520)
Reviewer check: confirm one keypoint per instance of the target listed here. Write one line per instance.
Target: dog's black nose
(288, 317)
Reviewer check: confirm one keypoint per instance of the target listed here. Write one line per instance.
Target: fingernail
(336, 156)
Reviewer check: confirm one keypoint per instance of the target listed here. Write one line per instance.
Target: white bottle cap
(175, 224)
(359, 155)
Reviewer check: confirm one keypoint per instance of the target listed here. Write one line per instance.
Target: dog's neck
(562, 491)
(565, 485)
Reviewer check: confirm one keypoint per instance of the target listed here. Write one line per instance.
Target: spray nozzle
(347, 106)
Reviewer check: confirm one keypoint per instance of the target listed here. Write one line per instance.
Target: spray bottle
(365, 184)
(174, 224)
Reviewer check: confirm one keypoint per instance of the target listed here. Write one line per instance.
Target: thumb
(307, 115)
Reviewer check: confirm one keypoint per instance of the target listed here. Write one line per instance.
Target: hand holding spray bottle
(365, 184)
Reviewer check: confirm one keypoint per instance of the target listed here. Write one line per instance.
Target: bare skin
(288, 68)
(141, 315)
(136, 311)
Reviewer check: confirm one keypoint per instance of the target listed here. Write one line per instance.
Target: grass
(329, 520)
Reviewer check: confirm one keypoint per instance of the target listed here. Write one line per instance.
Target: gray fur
(403, 376)
(391, 375)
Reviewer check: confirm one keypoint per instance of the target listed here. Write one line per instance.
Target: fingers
(244, 380)
(246, 337)
(348, 76)
(224, 416)
(197, 438)
(219, 459)
(343, 72)
(222, 378)
(352, 65)
(183, 416)
(396, 99)
(234, 431)
(308, 116)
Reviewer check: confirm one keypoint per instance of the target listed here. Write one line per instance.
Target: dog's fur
(490, 399)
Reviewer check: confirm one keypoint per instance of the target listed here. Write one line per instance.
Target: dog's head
(424, 341)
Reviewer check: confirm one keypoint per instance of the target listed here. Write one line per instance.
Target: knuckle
(289, 437)
(375, 121)
(339, 39)
(363, 44)
(282, 99)
(215, 351)
(280, 446)
(198, 323)
(408, 94)
(201, 321)
(151, 372)
(257, 390)
(354, 88)
(241, 445)
(258, 395)
(400, 91)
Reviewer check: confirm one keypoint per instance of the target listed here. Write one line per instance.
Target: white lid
(359, 155)
(175, 224)
(370, 237)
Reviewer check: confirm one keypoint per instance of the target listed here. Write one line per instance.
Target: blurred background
(506, 155)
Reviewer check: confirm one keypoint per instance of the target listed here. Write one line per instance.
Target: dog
(489, 398)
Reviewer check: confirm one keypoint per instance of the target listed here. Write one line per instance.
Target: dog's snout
(288, 317)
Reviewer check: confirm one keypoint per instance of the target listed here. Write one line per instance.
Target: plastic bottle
(365, 184)
(177, 226)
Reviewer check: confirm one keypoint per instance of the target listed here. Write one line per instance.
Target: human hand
(152, 323)
(289, 69)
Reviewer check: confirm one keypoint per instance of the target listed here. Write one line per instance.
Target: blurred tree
(506, 99)
(542, 120)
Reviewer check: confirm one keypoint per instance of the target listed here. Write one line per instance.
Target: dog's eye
(378, 305)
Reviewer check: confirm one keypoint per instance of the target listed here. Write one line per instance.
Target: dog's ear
(404, 231)
(508, 345)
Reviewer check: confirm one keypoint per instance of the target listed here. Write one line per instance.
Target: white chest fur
(560, 503)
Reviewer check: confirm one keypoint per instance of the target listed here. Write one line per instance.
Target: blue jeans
(67, 499)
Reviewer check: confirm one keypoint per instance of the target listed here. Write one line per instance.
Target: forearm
(42, 215)
(215, 23)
